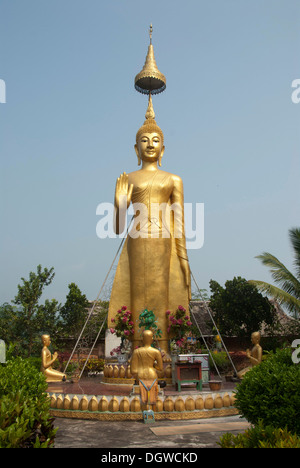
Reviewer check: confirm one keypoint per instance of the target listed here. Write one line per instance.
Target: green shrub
(24, 407)
(36, 362)
(271, 392)
(221, 360)
(93, 365)
(261, 437)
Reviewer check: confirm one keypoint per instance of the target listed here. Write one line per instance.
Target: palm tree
(288, 292)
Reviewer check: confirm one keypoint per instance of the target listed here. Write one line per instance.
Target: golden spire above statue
(150, 111)
(150, 80)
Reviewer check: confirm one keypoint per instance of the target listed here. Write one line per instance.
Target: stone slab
(195, 428)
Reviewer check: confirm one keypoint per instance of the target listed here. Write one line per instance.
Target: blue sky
(68, 128)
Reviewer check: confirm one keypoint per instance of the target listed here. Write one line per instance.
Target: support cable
(207, 347)
(214, 323)
(95, 302)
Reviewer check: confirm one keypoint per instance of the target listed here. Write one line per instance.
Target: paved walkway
(201, 433)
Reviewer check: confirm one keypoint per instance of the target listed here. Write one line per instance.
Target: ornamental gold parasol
(150, 80)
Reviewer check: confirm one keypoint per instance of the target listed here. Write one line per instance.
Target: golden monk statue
(255, 355)
(51, 375)
(145, 361)
(153, 270)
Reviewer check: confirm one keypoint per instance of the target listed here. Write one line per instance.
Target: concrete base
(138, 416)
(184, 406)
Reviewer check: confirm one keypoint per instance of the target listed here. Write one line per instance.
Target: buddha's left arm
(159, 366)
(177, 200)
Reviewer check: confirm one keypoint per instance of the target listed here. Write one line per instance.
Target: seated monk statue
(51, 375)
(144, 363)
(255, 355)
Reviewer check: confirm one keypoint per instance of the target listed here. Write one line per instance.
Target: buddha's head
(46, 340)
(255, 337)
(147, 337)
(149, 139)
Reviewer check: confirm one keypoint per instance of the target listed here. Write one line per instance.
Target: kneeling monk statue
(51, 375)
(144, 363)
(255, 355)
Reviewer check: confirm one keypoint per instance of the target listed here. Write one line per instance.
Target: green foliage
(25, 420)
(270, 392)
(288, 290)
(11, 328)
(147, 321)
(35, 362)
(221, 360)
(200, 294)
(73, 312)
(23, 324)
(93, 366)
(27, 320)
(239, 309)
(102, 312)
(30, 292)
(261, 437)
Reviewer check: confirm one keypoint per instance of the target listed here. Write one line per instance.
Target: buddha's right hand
(123, 192)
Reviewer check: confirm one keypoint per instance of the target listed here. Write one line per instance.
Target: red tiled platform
(89, 386)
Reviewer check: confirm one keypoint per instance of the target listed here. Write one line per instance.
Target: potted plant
(147, 321)
(215, 385)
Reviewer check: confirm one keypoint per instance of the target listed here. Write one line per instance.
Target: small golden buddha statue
(255, 355)
(153, 270)
(144, 364)
(52, 375)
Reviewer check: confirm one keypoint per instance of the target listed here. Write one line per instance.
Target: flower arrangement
(124, 348)
(124, 329)
(123, 325)
(185, 345)
(179, 323)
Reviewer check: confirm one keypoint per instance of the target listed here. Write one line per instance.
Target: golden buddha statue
(153, 270)
(255, 355)
(144, 364)
(51, 374)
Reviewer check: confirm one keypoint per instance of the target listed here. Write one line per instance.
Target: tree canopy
(238, 308)
(24, 320)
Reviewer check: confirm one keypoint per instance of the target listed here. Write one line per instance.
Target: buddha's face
(149, 147)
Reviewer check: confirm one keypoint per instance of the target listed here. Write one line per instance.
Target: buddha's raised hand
(123, 191)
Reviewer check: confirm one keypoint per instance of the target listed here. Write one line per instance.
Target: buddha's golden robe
(149, 273)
